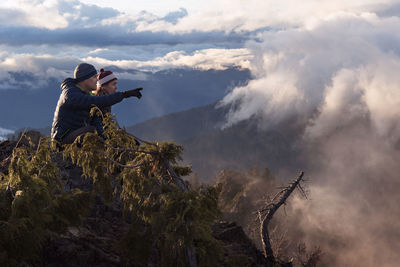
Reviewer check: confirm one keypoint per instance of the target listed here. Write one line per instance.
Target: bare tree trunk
(264, 233)
(191, 253)
(268, 252)
(177, 180)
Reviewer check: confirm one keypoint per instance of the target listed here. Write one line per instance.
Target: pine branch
(41, 169)
(177, 180)
(38, 147)
(99, 110)
(141, 140)
(126, 166)
(127, 149)
(9, 187)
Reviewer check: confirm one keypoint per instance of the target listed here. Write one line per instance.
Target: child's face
(110, 87)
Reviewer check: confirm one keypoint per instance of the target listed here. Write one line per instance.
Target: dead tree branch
(265, 215)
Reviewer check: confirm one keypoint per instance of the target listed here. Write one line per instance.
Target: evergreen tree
(33, 204)
(167, 216)
(170, 222)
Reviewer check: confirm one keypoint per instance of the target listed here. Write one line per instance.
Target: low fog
(340, 77)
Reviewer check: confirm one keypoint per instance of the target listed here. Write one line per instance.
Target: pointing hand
(133, 92)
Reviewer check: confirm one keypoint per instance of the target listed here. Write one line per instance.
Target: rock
(237, 243)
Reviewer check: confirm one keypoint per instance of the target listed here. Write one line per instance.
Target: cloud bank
(338, 75)
(297, 68)
(27, 71)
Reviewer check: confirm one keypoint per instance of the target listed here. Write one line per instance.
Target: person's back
(72, 114)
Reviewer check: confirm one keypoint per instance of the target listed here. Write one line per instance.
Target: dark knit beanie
(84, 71)
(105, 76)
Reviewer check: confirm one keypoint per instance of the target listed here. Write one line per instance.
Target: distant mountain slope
(242, 147)
(182, 125)
(208, 148)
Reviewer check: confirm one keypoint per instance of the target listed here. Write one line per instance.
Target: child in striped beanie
(106, 82)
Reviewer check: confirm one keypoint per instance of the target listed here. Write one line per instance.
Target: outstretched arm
(75, 98)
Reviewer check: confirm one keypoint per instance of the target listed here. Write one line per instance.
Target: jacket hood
(67, 83)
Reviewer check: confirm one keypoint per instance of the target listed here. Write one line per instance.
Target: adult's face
(110, 87)
(91, 83)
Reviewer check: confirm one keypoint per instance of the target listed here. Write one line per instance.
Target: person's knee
(91, 129)
(79, 133)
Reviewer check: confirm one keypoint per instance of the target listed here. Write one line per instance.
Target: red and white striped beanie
(105, 77)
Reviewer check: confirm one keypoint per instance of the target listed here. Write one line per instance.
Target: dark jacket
(73, 108)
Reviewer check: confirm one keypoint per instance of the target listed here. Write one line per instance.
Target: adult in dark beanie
(72, 114)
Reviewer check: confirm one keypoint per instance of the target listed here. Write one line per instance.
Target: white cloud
(36, 64)
(295, 68)
(160, 8)
(98, 51)
(203, 59)
(53, 14)
(4, 132)
(139, 76)
(27, 71)
(36, 13)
